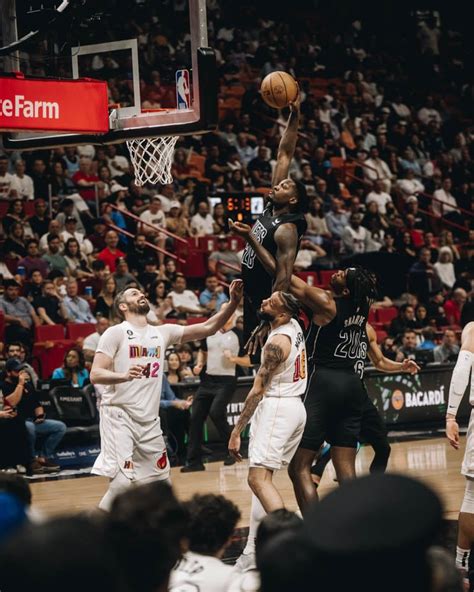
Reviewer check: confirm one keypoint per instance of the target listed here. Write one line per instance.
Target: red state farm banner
(64, 106)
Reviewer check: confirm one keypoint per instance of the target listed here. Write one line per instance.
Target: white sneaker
(21, 470)
(246, 562)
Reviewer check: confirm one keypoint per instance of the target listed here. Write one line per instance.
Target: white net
(152, 159)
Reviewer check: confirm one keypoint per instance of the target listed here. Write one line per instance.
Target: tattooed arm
(275, 352)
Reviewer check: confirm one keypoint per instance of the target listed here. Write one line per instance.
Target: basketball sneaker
(246, 562)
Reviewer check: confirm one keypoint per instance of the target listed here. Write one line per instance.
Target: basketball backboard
(161, 74)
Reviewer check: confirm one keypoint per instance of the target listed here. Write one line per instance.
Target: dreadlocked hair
(291, 304)
(362, 285)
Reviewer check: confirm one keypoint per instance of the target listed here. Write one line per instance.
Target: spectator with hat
(20, 395)
(176, 221)
(225, 255)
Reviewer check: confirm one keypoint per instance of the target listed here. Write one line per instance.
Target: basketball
(278, 89)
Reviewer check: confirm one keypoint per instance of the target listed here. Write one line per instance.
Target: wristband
(450, 419)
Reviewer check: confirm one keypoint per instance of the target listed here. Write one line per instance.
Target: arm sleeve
(109, 341)
(459, 380)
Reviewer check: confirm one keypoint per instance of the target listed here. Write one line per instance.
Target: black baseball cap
(14, 365)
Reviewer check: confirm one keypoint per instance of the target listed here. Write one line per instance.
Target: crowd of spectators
(152, 542)
(385, 154)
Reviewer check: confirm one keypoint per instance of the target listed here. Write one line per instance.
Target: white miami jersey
(290, 379)
(129, 345)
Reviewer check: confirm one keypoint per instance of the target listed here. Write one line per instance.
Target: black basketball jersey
(257, 282)
(342, 343)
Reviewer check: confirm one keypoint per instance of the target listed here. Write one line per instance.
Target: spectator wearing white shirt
(167, 196)
(376, 168)
(428, 112)
(445, 204)
(379, 196)
(24, 182)
(117, 164)
(245, 151)
(212, 521)
(9, 187)
(70, 224)
(90, 343)
(184, 301)
(153, 215)
(410, 186)
(202, 222)
(355, 238)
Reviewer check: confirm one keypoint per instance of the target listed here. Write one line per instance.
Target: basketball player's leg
(115, 460)
(199, 412)
(466, 515)
(150, 458)
(374, 432)
(314, 435)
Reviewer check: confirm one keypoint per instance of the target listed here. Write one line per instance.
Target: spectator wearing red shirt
(453, 307)
(110, 254)
(86, 180)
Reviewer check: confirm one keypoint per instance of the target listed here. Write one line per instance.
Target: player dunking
(335, 393)
(275, 402)
(279, 229)
(129, 360)
(463, 371)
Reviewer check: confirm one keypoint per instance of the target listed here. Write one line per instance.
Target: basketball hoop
(152, 159)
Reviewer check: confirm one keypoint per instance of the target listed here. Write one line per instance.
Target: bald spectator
(111, 253)
(77, 308)
(453, 307)
(379, 196)
(448, 350)
(89, 346)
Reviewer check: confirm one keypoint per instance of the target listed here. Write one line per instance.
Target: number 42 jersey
(342, 343)
(128, 345)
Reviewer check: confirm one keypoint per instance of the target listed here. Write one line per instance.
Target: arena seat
(74, 405)
(49, 333)
(196, 320)
(196, 265)
(310, 277)
(47, 359)
(76, 330)
(386, 315)
(381, 335)
(372, 318)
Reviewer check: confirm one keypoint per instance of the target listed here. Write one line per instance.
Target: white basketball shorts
(136, 449)
(467, 468)
(275, 432)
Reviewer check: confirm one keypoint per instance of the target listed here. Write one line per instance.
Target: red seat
(196, 320)
(386, 315)
(207, 244)
(47, 359)
(381, 335)
(196, 265)
(49, 333)
(325, 276)
(236, 243)
(372, 318)
(76, 330)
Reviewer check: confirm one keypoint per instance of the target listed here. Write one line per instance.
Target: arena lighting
(48, 22)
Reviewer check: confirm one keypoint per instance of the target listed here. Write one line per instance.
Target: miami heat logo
(162, 461)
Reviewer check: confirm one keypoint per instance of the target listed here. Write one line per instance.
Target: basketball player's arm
(101, 372)
(287, 146)
(276, 351)
(459, 383)
(217, 321)
(385, 364)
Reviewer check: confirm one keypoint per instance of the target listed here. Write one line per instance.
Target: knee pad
(468, 500)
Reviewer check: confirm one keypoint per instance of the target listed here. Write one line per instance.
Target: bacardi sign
(43, 105)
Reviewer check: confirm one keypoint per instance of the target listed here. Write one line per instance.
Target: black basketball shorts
(334, 400)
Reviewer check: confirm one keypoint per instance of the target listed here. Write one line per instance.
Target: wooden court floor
(433, 461)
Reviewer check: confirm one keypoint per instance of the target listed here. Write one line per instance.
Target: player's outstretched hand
(133, 372)
(234, 446)
(236, 291)
(240, 228)
(296, 104)
(452, 433)
(257, 338)
(410, 366)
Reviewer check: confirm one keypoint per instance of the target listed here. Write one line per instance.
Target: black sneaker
(229, 460)
(193, 468)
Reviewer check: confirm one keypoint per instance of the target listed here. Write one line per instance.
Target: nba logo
(183, 92)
